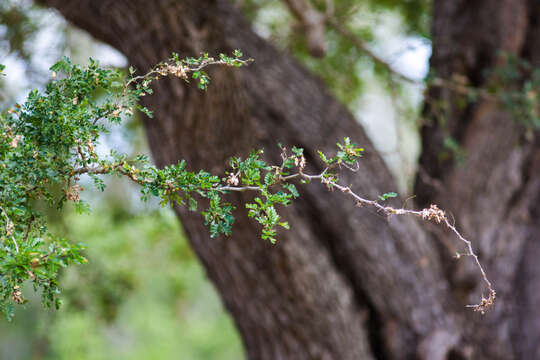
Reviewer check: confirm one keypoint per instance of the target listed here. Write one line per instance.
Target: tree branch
(455, 86)
(313, 23)
(9, 229)
(432, 213)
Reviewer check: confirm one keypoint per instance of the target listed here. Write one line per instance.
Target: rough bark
(347, 283)
(494, 193)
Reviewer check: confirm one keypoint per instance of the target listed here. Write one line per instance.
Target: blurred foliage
(143, 296)
(339, 68)
(17, 27)
(143, 290)
(416, 14)
(24, 42)
(516, 83)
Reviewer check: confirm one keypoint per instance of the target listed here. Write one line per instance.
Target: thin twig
(28, 228)
(180, 70)
(432, 213)
(9, 229)
(437, 215)
(238, 188)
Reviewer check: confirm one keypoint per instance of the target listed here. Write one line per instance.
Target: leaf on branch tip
(387, 195)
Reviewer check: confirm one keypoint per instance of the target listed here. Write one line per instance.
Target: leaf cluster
(46, 145)
(49, 142)
(516, 84)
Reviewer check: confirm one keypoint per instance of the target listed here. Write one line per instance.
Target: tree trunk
(346, 282)
(494, 194)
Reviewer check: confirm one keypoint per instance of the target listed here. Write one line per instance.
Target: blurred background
(146, 296)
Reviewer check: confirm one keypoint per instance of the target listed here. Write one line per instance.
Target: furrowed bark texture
(344, 282)
(494, 194)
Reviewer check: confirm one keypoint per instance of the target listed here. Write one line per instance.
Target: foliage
(343, 60)
(17, 19)
(516, 85)
(387, 196)
(142, 289)
(48, 142)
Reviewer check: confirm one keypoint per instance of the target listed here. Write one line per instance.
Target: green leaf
(82, 208)
(388, 195)
(292, 189)
(285, 225)
(323, 157)
(192, 204)
(63, 65)
(297, 151)
(269, 178)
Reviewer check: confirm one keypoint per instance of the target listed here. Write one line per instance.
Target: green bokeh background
(143, 295)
